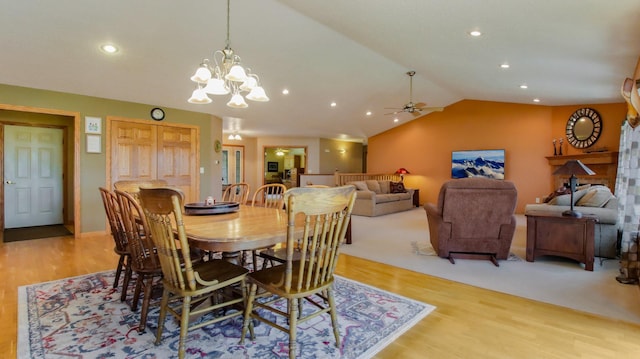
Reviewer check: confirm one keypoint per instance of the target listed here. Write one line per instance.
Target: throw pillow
(374, 186)
(565, 199)
(385, 186)
(360, 185)
(559, 192)
(597, 196)
(397, 187)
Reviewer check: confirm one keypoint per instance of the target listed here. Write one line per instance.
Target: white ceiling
(355, 53)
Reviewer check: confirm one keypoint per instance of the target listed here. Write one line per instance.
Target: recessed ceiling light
(536, 100)
(395, 120)
(369, 113)
(475, 33)
(524, 86)
(333, 104)
(109, 49)
(285, 92)
(504, 66)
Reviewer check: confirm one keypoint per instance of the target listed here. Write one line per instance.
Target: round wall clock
(583, 128)
(157, 114)
(217, 146)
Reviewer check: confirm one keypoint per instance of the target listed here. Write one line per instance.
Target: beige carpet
(392, 239)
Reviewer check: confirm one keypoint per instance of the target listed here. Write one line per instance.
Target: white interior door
(32, 176)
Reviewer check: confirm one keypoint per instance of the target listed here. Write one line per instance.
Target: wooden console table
(550, 233)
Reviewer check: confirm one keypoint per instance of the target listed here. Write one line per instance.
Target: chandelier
(224, 75)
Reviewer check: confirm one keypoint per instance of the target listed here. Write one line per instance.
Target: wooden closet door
(148, 151)
(177, 159)
(133, 151)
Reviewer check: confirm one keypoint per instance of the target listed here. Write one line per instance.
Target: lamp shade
(402, 171)
(199, 96)
(237, 101)
(573, 167)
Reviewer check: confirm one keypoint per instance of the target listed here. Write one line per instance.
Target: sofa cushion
(396, 187)
(391, 197)
(596, 196)
(385, 186)
(374, 186)
(565, 199)
(360, 185)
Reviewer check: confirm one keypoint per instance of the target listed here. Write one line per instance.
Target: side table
(551, 233)
(416, 197)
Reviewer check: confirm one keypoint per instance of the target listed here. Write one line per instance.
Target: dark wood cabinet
(551, 233)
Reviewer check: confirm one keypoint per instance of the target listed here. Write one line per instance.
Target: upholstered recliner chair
(474, 218)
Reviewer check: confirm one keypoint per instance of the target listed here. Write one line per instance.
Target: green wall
(93, 166)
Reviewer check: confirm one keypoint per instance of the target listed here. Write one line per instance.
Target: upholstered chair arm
(365, 195)
(439, 231)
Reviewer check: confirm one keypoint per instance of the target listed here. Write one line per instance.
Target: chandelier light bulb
(237, 101)
(199, 97)
(202, 75)
(257, 94)
(216, 87)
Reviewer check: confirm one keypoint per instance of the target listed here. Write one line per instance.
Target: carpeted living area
(84, 318)
(388, 239)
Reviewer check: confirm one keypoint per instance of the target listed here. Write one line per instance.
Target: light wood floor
(469, 322)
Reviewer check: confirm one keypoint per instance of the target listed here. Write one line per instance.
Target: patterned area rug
(425, 249)
(82, 317)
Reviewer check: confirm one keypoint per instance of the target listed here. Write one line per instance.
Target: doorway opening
(284, 164)
(59, 200)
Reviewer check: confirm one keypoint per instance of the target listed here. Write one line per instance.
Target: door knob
(10, 182)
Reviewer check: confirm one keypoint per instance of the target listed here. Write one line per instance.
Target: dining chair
(237, 192)
(269, 196)
(325, 216)
(144, 258)
(133, 186)
(112, 209)
(192, 284)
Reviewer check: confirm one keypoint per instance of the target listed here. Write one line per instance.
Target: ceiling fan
(410, 107)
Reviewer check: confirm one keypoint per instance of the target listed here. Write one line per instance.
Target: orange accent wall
(525, 132)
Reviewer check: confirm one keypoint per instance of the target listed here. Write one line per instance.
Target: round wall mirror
(583, 128)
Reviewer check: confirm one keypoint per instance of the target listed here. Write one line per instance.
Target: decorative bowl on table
(201, 208)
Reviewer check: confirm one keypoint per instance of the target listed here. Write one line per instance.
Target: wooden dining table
(248, 228)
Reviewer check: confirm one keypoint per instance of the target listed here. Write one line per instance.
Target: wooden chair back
(162, 207)
(237, 192)
(112, 209)
(269, 195)
(326, 213)
(141, 246)
(133, 186)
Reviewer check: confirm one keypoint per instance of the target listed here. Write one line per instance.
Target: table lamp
(402, 171)
(573, 168)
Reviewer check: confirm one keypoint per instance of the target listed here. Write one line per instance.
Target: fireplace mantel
(604, 164)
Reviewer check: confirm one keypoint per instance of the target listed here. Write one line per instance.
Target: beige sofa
(595, 201)
(375, 198)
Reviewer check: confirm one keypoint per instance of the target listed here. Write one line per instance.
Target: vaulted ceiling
(355, 53)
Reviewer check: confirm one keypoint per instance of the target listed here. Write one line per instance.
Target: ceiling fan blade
(393, 108)
(416, 113)
(435, 109)
(420, 105)
(394, 113)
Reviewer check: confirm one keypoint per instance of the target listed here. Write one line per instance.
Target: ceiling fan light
(202, 75)
(237, 101)
(236, 73)
(199, 97)
(216, 87)
(237, 137)
(258, 94)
